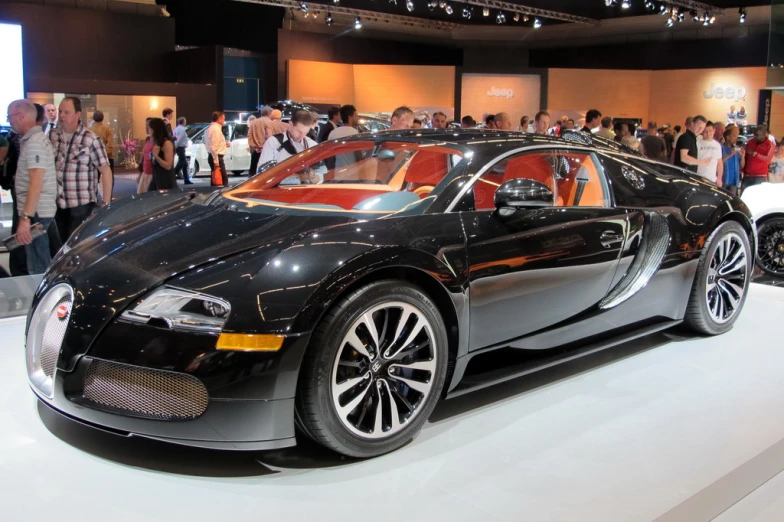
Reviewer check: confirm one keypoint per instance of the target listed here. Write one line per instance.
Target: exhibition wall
(663, 96)
(372, 88)
(517, 95)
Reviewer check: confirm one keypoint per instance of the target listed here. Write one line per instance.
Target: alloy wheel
(770, 246)
(384, 370)
(727, 278)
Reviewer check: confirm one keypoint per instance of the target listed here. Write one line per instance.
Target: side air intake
(653, 248)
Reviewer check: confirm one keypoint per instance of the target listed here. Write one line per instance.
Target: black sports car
(343, 303)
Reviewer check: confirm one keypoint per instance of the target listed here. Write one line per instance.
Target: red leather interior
(305, 195)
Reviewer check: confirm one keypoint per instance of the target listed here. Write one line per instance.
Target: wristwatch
(22, 215)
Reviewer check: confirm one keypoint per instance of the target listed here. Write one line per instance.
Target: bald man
(503, 121)
(35, 186)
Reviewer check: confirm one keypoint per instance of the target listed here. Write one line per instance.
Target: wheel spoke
(421, 387)
(727, 289)
(346, 385)
(395, 414)
(353, 340)
(735, 263)
(428, 366)
(378, 425)
(411, 336)
(344, 411)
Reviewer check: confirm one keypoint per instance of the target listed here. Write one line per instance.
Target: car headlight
(181, 310)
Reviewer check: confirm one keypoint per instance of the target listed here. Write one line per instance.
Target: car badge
(634, 179)
(62, 310)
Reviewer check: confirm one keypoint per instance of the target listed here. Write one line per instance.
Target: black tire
(317, 413)
(699, 316)
(237, 172)
(770, 246)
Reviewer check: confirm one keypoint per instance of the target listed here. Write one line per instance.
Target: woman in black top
(163, 177)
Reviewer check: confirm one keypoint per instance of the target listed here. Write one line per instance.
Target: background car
(766, 202)
(237, 157)
(341, 303)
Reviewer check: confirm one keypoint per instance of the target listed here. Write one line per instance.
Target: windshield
(366, 177)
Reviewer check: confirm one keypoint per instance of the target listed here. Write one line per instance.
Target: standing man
(51, 118)
(524, 124)
(35, 184)
(168, 114)
(569, 125)
(467, 122)
(652, 144)
(180, 144)
(593, 120)
(502, 121)
(439, 120)
(733, 158)
(257, 136)
(680, 132)
(335, 117)
(759, 153)
(276, 124)
(79, 157)
(606, 130)
(282, 146)
(215, 143)
(401, 118)
(104, 132)
(685, 152)
(350, 118)
(541, 122)
(710, 149)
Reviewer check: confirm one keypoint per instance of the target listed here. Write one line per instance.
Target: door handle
(609, 238)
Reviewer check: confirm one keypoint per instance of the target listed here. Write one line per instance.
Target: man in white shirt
(281, 147)
(710, 149)
(215, 143)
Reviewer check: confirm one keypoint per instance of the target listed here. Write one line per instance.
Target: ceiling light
(486, 11)
(442, 4)
(537, 23)
(649, 5)
(626, 4)
(449, 10)
(712, 19)
(315, 14)
(705, 20)
(681, 16)
(500, 17)
(742, 13)
(357, 23)
(393, 2)
(432, 4)
(303, 7)
(694, 16)
(329, 18)
(669, 22)
(466, 13)
(525, 18)
(336, 1)
(608, 3)
(517, 17)
(410, 5)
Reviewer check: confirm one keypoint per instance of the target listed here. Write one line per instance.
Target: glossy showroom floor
(667, 428)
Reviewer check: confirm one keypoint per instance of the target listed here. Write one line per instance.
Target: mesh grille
(143, 392)
(52, 337)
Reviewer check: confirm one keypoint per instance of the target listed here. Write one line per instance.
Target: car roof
(469, 137)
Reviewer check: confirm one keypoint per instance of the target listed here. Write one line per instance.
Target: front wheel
(374, 370)
(721, 282)
(770, 246)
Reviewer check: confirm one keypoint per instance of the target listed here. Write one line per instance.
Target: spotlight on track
(357, 23)
(449, 9)
(329, 18)
(410, 5)
(694, 16)
(303, 7)
(432, 4)
(525, 18)
(466, 13)
(486, 11)
(500, 17)
(669, 22)
(742, 14)
(517, 17)
(626, 4)
(537, 23)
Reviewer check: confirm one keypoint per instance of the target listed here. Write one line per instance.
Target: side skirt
(477, 381)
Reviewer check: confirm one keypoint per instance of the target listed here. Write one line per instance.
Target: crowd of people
(59, 170)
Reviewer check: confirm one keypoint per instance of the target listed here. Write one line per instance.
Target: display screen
(12, 84)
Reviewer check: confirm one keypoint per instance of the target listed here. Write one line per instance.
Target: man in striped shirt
(79, 157)
(35, 186)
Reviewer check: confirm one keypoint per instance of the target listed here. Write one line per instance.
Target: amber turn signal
(250, 342)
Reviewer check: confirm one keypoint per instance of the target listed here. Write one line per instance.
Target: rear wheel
(374, 370)
(721, 282)
(770, 246)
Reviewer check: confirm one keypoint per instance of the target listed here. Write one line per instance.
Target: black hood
(123, 252)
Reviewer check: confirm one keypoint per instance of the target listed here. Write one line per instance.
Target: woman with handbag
(145, 166)
(163, 176)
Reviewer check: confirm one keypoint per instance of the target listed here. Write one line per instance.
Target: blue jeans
(37, 252)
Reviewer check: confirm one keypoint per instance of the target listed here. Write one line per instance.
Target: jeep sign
(502, 93)
(729, 93)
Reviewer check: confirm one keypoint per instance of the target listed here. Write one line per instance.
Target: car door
(239, 148)
(228, 158)
(531, 268)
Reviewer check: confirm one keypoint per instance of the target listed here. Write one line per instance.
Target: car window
(352, 176)
(641, 183)
(226, 131)
(240, 131)
(572, 176)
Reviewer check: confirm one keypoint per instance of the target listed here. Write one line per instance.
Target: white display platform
(665, 428)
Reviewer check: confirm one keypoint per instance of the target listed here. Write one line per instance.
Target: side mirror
(523, 193)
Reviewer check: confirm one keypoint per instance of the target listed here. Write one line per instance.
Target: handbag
(217, 178)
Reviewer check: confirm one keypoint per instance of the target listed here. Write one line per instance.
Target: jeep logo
(729, 93)
(501, 93)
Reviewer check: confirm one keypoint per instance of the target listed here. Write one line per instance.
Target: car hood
(123, 252)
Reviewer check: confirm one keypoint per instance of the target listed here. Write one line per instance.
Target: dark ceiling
(595, 9)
